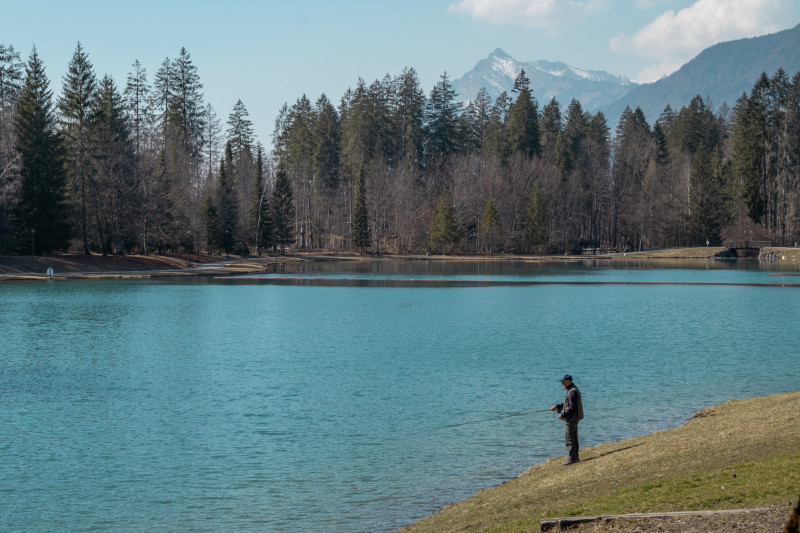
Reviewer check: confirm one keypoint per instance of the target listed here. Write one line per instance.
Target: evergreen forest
(146, 166)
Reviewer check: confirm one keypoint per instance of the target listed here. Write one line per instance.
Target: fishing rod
(490, 419)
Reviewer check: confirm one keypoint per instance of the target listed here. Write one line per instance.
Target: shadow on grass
(612, 451)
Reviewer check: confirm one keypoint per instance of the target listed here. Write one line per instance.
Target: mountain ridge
(720, 74)
(549, 79)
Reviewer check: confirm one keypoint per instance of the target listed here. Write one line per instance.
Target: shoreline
(70, 266)
(668, 471)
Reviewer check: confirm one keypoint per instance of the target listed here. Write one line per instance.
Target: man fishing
(571, 411)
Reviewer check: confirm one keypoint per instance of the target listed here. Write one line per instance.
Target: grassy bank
(741, 454)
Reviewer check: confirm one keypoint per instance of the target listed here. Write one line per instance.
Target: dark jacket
(572, 408)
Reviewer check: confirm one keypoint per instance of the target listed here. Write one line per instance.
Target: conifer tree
(410, 117)
(113, 154)
(536, 232)
(282, 209)
(41, 205)
(444, 227)
(11, 69)
(443, 121)
(240, 132)
(10, 78)
(551, 127)
(137, 94)
(326, 138)
(262, 216)
(523, 119)
(491, 226)
(478, 116)
(495, 140)
(211, 218)
(76, 105)
(705, 201)
(187, 108)
(360, 224)
(226, 205)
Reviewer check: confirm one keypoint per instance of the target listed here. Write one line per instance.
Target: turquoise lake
(350, 397)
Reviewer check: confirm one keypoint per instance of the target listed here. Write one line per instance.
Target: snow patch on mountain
(549, 79)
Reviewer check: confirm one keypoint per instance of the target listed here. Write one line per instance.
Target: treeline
(143, 168)
(149, 168)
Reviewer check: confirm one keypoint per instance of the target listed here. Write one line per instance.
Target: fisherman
(571, 411)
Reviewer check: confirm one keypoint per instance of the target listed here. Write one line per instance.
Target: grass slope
(741, 454)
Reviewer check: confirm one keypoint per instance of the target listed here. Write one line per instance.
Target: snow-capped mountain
(593, 88)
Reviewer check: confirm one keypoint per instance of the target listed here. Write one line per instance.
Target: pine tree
(444, 227)
(10, 78)
(262, 217)
(187, 108)
(495, 140)
(11, 69)
(551, 127)
(536, 219)
(137, 94)
(478, 113)
(705, 201)
(240, 132)
(410, 117)
(114, 158)
(76, 105)
(227, 207)
(283, 209)
(326, 138)
(162, 98)
(211, 218)
(523, 121)
(41, 205)
(359, 227)
(443, 121)
(491, 226)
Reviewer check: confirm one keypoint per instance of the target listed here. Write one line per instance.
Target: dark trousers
(571, 438)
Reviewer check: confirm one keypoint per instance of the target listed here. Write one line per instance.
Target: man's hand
(554, 408)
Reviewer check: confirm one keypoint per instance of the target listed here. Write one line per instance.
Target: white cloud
(673, 38)
(529, 13)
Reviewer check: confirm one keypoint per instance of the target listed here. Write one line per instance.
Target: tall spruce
(491, 225)
(116, 189)
(360, 224)
(705, 201)
(410, 117)
(40, 214)
(283, 209)
(227, 207)
(76, 105)
(262, 217)
(187, 108)
(240, 132)
(443, 122)
(326, 138)
(523, 119)
(11, 69)
(445, 235)
(536, 230)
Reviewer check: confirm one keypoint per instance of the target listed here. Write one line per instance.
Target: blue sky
(267, 52)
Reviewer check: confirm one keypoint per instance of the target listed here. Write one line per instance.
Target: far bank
(95, 266)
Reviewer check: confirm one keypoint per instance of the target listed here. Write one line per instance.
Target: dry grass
(741, 454)
(74, 266)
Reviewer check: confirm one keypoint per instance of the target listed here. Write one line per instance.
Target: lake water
(319, 399)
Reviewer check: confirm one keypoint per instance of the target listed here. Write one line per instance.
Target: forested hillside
(149, 167)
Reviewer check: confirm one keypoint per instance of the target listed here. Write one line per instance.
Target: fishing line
(489, 419)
